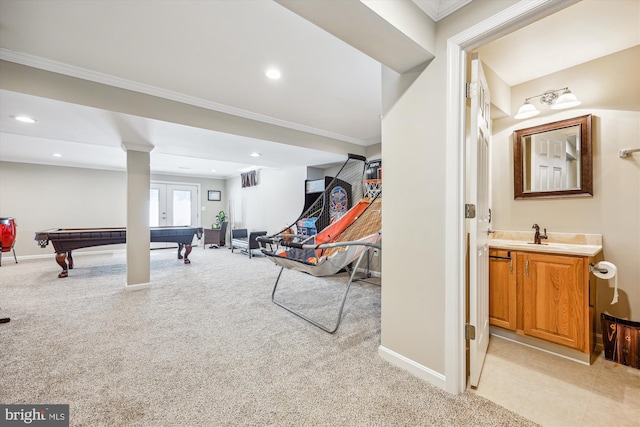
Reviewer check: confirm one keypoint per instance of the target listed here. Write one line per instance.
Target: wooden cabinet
(540, 295)
(556, 303)
(502, 289)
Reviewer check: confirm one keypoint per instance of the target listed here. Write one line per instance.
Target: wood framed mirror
(553, 160)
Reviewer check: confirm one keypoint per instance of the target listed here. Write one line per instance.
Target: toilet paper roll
(612, 273)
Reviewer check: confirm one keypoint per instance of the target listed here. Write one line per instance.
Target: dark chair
(216, 237)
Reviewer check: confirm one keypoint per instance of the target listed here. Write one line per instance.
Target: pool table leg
(64, 260)
(187, 251)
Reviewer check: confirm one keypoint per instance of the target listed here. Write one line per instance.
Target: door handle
(526, 268)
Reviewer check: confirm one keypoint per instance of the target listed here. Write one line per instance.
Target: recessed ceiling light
(57, 155)
(213, 170)
(254, 154)
(24, 119)
(273, 73)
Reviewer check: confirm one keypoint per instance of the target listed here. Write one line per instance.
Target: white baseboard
(137, 287)
(80, 252)
(77, 253)
(414, 368)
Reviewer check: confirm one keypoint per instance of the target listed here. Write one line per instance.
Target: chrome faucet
(538, 236)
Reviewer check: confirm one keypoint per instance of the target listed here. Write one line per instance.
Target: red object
(332, 231)
(7, 233)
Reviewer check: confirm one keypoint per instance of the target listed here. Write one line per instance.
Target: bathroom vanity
(539, 294)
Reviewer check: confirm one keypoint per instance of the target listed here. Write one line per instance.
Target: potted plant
(220, 218)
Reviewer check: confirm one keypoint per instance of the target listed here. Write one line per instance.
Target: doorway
(173, 204)
(458, 47)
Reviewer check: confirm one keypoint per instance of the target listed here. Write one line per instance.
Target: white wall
(374, 152)
(413, 152)
(315, 173)
(271, 205)
(414, 214)
(42, 197)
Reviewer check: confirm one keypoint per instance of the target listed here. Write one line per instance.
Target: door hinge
(472, 89)
(469, 210)
(469, 332)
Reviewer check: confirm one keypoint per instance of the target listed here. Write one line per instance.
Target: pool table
(65, 240)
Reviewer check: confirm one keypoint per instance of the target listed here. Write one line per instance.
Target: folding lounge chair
(330, 255)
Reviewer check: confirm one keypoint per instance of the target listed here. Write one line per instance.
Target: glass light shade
(566, 100)
(526, 110)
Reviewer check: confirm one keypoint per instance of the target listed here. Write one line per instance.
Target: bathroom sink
(585, 247)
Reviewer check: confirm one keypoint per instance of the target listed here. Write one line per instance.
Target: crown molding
(107, 79)
(438, 9)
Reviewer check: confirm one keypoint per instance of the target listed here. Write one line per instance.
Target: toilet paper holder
(593, 267)
(606, 270)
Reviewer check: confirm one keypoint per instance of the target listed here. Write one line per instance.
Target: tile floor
(554, 391)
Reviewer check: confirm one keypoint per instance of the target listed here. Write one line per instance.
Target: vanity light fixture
(527, 110)
(558, 99)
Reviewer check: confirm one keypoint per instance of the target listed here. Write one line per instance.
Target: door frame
(508, 20)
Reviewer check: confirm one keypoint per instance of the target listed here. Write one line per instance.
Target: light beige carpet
(205, 346)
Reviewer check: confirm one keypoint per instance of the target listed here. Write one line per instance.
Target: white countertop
(557, 243)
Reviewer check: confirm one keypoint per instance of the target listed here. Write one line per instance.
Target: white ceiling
(213, 54)
(209, 53)
(585, 31)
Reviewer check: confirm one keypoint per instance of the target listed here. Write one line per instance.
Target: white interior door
(172, 205)
(479, 141)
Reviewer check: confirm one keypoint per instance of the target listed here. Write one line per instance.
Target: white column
(138, 234)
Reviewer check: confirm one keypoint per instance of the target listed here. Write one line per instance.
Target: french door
(172, 205)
